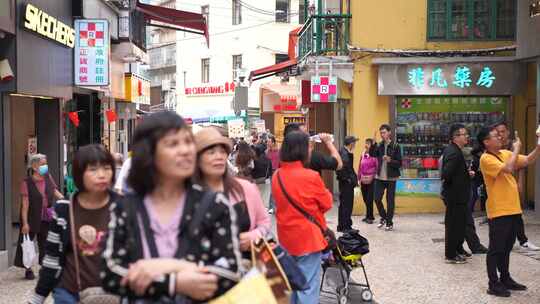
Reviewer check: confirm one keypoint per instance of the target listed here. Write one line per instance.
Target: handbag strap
(148, 232)
(74, 243)
(306, 214)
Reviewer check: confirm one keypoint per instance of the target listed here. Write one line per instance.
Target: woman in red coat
(300, 237)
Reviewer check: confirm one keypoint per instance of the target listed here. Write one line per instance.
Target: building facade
(423, 65)
(37, 79)
(62, 85)
(162, 63)
(243, 36)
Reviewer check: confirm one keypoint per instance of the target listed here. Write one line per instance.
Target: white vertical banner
(92, 44)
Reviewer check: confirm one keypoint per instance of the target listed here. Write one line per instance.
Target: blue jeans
(310, 265)
(63, 296)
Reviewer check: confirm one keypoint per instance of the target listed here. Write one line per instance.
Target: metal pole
(319, 29)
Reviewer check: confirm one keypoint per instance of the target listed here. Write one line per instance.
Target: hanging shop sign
(92, 52)
(324, 88)
(236, 128)
(298, 119)
(38, 21)
(226, 88)
(137, 89)
(501, 78)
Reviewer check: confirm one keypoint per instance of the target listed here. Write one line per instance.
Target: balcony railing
(324, 35)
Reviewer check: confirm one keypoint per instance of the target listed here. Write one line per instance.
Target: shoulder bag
(91, 295)
(327, 233)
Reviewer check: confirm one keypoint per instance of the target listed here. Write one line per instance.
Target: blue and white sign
(92, 43)
(418, 187)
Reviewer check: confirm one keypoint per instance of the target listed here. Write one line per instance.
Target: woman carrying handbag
(73, 251)
(366, 177)
(302, 200)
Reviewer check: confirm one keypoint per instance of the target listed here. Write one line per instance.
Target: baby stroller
(346, 257)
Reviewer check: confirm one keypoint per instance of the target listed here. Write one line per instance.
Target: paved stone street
(404, 266)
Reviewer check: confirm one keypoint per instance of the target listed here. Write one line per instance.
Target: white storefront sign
(92, 42)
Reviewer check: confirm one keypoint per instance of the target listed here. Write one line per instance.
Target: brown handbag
(91, 295)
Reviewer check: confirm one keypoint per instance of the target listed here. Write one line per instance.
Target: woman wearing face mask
(163, 238)
(73, 257)
(38, 192)
(213, 150)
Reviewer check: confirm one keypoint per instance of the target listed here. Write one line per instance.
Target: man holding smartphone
(503, 205)
(504, 133)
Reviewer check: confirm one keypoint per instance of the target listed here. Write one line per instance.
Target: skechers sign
(36, 20)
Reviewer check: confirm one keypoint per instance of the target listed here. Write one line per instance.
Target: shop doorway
(35, 127)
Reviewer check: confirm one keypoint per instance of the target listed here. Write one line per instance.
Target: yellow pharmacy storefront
(426, 98)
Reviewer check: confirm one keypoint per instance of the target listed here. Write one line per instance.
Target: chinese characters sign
(488, 79)
(324, 89)
(461, 77)
(92, 52)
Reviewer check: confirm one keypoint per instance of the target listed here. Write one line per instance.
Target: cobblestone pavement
(404, 266)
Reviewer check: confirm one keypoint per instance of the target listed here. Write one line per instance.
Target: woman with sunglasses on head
(160, 236)
(212, 171)
(72, 252)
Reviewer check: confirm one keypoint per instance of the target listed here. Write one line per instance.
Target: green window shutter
(437, 19)
(505, 19)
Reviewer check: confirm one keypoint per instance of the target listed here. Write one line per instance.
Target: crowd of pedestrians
(164, 225)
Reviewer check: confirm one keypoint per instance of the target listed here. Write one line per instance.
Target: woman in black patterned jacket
(163, 238)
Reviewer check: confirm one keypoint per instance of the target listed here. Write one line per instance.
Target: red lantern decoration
(111, 115)
(74, 117)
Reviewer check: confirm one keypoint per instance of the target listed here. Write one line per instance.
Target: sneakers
(389, 228)
(480, 250)
(498, 290)
(465, 254)
(381, 224)
(367, 220)
(457, 260)
(29, 275)
(271, 211)
(510, 284)
(529, 246)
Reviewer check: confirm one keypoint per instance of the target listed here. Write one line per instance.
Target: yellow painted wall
(389, 24)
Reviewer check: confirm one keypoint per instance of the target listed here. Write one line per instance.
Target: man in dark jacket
(348, 180)
(388, 155)
(456, 185)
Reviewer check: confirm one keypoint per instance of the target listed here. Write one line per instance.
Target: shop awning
(272, 70)
(278, 97)
(282, 66)
(174, 19)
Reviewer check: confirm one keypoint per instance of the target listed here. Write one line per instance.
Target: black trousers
(522, 238)
(41, 239)
(390, 187)
(367, 196)
(346, 201)
(502, 236)
(471, 237)
(454, 228)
